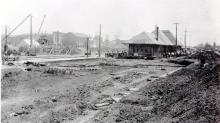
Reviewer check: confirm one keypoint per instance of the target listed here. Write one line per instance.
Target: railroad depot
(156, 44)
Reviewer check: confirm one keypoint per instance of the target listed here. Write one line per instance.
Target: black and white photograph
(110, 61)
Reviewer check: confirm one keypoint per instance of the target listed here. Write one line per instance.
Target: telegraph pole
(6, 38)
(185, 39)
(176, 36)
(100, 40)
(58, 38)
(31, 39)
(87, 48)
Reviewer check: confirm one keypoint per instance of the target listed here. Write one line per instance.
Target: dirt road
(74, 91)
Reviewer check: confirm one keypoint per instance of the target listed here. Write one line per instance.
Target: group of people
(168, 54)
(173, 54)
(116, 54)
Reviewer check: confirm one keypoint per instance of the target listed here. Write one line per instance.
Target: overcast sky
(124, 18)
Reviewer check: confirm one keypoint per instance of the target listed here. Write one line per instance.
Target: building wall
(146, 49)
(81, 42)
(57, 38)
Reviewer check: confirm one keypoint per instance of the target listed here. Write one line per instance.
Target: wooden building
(154, 44)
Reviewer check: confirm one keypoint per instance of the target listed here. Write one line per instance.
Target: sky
(119, 18)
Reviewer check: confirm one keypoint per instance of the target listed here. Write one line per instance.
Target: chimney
(156, 32)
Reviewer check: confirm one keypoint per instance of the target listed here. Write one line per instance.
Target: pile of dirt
(36, 64)
(25, 110)
(100, 86)
(66, 106)
(10, 73)
(209, 55)
(184, 62)
(108, 62)
(58, 71)
(69, 70)
(188, 95)
(128, 78)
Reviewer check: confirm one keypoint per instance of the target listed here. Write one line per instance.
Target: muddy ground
(190, 95)
(75, 91)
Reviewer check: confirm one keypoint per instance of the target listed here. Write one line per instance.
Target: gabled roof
(164, 38)
(167, 37)
(145, 38)
(170, 36)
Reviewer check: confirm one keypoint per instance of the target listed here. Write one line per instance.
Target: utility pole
(87, 48)
(57, 42)
(31, 39)
(185, 39)
(100, 40)
(6, 38)
(176, 36)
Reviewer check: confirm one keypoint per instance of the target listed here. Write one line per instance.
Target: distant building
(94, 42)
(81, 40)
(70, 39)
(214, 45)
(57, 38)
